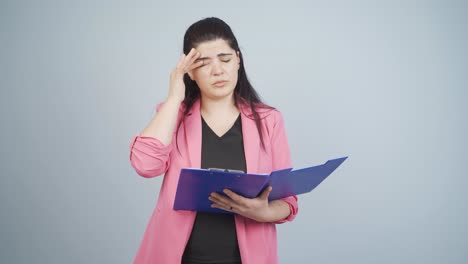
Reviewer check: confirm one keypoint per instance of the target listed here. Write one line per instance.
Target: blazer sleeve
(281, 157)
(149, 156)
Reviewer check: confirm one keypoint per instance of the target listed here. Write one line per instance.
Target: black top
(213, 238)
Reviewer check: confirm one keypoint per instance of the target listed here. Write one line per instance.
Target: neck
(218, 107)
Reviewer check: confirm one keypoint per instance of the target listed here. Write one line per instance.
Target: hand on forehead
(214, 49)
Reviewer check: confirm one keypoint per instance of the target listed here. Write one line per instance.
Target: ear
(238, 59)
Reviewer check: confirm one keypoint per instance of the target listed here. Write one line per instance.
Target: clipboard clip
(226, 170)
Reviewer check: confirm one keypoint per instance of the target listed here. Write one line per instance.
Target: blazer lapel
(193, 137)
(250, 138)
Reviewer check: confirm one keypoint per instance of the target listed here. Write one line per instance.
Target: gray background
(383, 83)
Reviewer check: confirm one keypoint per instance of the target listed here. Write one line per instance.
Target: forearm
(279, 210)
(164, 122)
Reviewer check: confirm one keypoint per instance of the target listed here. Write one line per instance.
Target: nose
(217, 68)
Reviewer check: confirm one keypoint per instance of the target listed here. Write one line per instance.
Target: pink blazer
(168, 230)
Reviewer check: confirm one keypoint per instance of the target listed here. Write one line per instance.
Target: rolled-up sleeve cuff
(293, 208)
(149, 156)
(149, 144)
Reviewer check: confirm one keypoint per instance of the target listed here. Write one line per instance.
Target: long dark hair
(209, 29)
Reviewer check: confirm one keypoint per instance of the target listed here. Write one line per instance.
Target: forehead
(213, 48)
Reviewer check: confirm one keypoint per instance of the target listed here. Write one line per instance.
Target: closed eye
(226, 61)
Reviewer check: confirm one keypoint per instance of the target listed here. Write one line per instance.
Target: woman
(212, 118)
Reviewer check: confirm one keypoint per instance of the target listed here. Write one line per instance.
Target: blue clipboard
(196, 185)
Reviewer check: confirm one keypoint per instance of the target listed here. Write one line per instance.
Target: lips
(219, 83)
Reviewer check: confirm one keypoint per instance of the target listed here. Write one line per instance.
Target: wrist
(267, 214)
(174, 100)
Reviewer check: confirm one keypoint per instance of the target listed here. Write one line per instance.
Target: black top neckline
(233, 126)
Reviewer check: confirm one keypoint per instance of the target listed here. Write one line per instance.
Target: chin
(220, 93)
(215, 92)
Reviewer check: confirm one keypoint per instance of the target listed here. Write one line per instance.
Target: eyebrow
(219, 55)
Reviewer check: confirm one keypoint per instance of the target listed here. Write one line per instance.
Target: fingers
(191, 57)
(217, 203)
(264, 195)
(195, 65)
(225, 208)
(216, 198)
(187, 62)
(234, 196)
(223, 201)
(181, 60)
